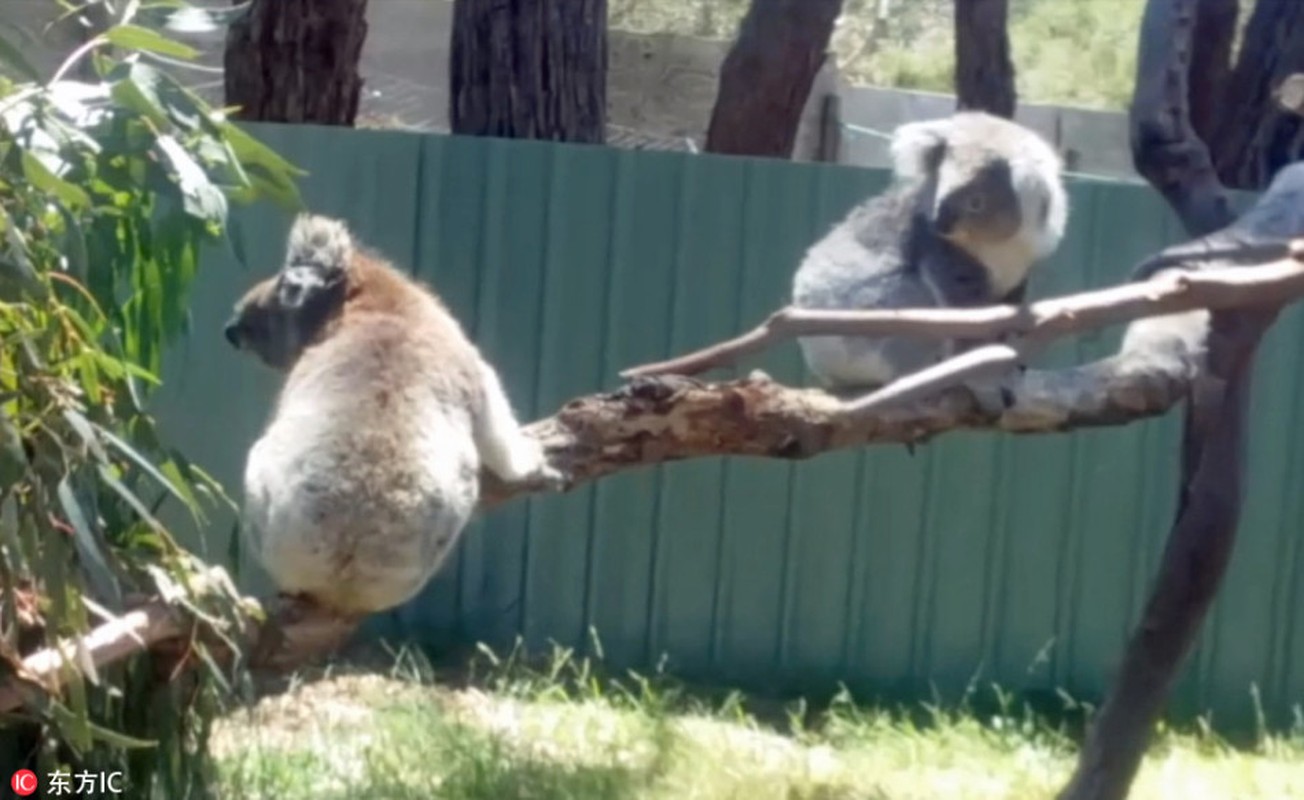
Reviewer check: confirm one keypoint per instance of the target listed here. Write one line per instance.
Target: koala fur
(369, 467)
(975, 202)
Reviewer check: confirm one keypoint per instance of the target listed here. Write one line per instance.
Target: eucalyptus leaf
(109, 187)
(202, 199)
(13, 459)
(40, 176)
(74, 244)
(129, 496)
(88, 546)
(18, 275)
(184, 497)
(134, 37)
(268, 171)
(87, 433)
(135, 92)
(116, 739)
(159, 96)
(75, 723)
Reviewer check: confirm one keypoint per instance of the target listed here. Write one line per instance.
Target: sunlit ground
(558, 732)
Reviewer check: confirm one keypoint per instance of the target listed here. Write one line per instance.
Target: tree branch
(1170, 154)
(293, 632)
(1166, 151)
(1043, 321)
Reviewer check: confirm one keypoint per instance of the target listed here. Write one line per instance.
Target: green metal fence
(1018, 560)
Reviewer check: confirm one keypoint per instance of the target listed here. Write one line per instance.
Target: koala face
(977, 204)
(281, 315)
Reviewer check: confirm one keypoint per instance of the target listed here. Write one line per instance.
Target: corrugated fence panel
(1020, 560)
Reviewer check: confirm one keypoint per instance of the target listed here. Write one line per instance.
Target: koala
(976, 201)
(369, 468)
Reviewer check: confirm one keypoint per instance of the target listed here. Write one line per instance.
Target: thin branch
(1043, 321)
(981, 363)
(134, 631)
(293, 632)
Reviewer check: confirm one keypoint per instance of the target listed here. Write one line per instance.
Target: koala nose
(232, 333)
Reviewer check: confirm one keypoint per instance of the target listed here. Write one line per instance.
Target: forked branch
(1282, 278)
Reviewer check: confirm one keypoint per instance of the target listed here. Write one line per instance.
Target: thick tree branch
(1211, 64)
(1168, 151)
(656, 420)
(1253, 136)
(1165, 150)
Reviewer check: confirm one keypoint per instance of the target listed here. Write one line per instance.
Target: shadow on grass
(561, 672)
(417, 752)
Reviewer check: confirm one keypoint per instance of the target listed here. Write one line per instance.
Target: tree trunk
(529, 69)
(1177, 163)
(767, 76)
(984, 73)
(297, 61)
(1211, 63)
(1254, 136)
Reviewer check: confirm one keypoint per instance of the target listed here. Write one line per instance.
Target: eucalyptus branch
(1280, 280)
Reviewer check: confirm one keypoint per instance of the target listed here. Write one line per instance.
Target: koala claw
(553, 479)
(992, 398)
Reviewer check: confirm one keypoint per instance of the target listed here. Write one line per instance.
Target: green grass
(506, 729)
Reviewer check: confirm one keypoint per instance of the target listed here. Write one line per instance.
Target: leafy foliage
(109, 190)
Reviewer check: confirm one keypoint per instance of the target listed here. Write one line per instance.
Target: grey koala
(975, 202)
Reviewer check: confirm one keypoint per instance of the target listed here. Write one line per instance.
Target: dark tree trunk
(984, 73)
(529, 69)
(1176, 162)
(767, 76)
(297, 61)
(1211, 63)
(1254, 137)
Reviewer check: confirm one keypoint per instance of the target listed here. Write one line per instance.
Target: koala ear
(917, 147)
(300, 285)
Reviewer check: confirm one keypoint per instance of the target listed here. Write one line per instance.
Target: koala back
(884, 255)
(368, 470)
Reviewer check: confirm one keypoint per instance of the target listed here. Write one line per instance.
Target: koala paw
(552, 479)
(993, 398)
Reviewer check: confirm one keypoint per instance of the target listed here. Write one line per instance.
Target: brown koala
(369, 468)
